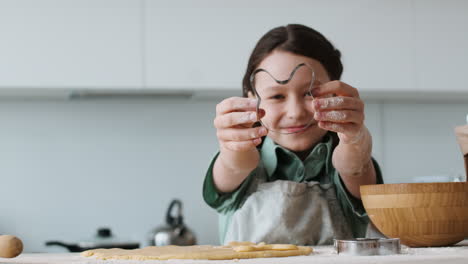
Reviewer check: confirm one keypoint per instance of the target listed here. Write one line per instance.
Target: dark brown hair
(300, 40)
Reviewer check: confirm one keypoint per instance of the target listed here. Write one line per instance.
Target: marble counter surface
(322, 254)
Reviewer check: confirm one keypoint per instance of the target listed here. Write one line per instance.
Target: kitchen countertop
(322, 254)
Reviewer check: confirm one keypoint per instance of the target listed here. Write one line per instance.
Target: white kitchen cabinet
(70, 44)
(375, 40)
(206, 44)
(160, 46)
(441, 45)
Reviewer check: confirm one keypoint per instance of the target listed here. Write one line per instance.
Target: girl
(300, 186)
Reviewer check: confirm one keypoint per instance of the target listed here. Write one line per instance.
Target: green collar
(273, 154)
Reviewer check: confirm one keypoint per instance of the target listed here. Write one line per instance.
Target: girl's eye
(278, 96)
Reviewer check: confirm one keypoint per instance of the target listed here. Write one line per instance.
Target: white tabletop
(322, 254)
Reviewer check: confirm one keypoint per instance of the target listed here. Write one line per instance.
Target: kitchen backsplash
(69, 167)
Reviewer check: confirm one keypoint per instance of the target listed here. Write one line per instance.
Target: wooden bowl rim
(404, 188)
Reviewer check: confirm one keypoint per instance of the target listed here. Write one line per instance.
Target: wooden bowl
(420, 214)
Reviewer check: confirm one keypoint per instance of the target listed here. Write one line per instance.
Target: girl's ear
(250, 95)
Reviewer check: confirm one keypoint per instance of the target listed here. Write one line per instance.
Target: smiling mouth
(298, 129)
(295, 129)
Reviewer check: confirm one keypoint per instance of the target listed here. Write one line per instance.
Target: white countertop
(323, 254)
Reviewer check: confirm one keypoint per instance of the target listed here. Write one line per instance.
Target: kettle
(174, 232)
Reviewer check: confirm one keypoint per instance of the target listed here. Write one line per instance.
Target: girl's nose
(296, 109)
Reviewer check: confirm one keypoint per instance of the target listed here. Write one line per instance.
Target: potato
(10, 246)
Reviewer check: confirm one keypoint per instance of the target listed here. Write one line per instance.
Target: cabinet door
(206, 44)
(200, 44)
(375, 39)
(66, 43)
(441, 45)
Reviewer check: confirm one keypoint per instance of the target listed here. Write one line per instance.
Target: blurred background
(107, 106)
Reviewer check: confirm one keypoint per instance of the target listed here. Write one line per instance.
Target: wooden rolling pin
(10, 246)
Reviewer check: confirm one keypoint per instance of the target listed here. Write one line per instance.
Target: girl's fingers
(349, 133)
(236, 104)
(340, 116)
(335, 87)
(234, 119)
(338, 102)
(242, 145)
(238, 118)
(235, 134)
(349, 129)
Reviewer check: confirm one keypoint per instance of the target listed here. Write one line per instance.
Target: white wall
(69, 167)
(419, 139)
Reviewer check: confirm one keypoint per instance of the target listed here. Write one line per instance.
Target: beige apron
(306, 213)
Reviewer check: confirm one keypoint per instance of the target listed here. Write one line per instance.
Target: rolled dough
(235, 250)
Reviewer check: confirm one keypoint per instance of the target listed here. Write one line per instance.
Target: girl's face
(288, 107)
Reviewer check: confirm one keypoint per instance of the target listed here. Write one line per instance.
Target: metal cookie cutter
(368, 246)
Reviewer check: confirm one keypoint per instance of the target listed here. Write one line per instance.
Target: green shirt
(279, 163)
